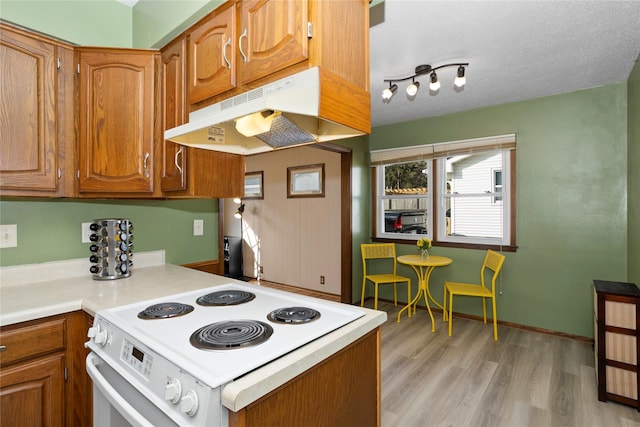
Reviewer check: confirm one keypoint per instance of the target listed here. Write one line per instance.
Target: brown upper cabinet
(273, 35)
(174, 113)
(212, 47)
(192, 172)
(119, 130)
(89, 121)
(244, 44)
(37, 108)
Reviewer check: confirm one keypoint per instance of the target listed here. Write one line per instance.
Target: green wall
(571, 202)
(633, 95)
(87, 23)
(50, 229)
(157, 22)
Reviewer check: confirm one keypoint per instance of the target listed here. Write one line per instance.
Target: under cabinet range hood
(312, 106)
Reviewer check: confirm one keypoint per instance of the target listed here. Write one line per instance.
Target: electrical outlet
(86, 232)
(261, 270)
(322, 280)
(198, 227)
(9, 236)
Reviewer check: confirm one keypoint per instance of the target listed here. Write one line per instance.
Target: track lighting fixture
(388, 92)
(434, 83)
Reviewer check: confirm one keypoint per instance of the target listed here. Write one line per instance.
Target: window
(404, 204)
(456, 193)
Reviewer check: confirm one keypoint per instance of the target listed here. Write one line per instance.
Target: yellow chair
(381, 252)
(492, 261)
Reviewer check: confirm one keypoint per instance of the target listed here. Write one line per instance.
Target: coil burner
(294, 315)
(231, 334)
(165, 310)
(229, 297)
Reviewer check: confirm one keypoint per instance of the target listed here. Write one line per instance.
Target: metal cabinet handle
(224, 53)
(146, 168)
(243, 35)
(2, 348)
(175, 160)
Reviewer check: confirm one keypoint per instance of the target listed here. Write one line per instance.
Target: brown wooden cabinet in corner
(191, 172)
(233, 50)
(617, 341)
(119, 142)
(37, 148)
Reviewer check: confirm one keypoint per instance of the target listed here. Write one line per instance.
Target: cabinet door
(174, 114)
(31, 394)
(28, 156)
(118, 112)
(212, 55)
(272, 37)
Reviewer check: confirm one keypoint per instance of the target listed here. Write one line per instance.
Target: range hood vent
(302, 109)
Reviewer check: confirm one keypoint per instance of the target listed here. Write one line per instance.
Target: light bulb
(388, 92)
(435, 83)
(412, 89)
(460, 79)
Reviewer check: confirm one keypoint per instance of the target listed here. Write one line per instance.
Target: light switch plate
(198, 227)
(8, 236)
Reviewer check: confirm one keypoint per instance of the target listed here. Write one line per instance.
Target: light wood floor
(525, 379)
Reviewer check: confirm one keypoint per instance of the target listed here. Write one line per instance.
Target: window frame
(436, 220)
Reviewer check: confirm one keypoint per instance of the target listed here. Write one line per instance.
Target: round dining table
(423, 268)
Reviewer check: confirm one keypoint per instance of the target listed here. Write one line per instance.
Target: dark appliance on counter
(111, 248)
(233, 257)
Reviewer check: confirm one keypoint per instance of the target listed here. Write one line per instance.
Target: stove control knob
(189, 403)
(173, 390)
(98, 335)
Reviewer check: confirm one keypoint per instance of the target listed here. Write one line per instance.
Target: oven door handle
(110, 393)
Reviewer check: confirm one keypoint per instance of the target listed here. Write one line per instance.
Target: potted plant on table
(424, 244)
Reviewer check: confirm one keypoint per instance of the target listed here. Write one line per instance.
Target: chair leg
(444, 304)
(409, 297)
(450, 312)
(375, 298)
(495, 320)
(395, 294)
(364, 284)
(484, 310)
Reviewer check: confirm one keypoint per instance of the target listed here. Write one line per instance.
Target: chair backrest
(492, 261)
(378, 251)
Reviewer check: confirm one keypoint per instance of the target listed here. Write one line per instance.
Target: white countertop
(22, 301)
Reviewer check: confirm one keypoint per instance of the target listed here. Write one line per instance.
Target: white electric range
(165, 361)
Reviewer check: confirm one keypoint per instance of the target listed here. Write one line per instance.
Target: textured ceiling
(517, 50)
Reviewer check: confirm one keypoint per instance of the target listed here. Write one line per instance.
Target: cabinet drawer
(620, 314)
(621, 348)
(622, 382)
(32, 340)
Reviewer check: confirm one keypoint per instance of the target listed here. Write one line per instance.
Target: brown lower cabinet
(43, 381)
(343, 390)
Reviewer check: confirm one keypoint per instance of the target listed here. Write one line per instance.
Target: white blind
(442, 149)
